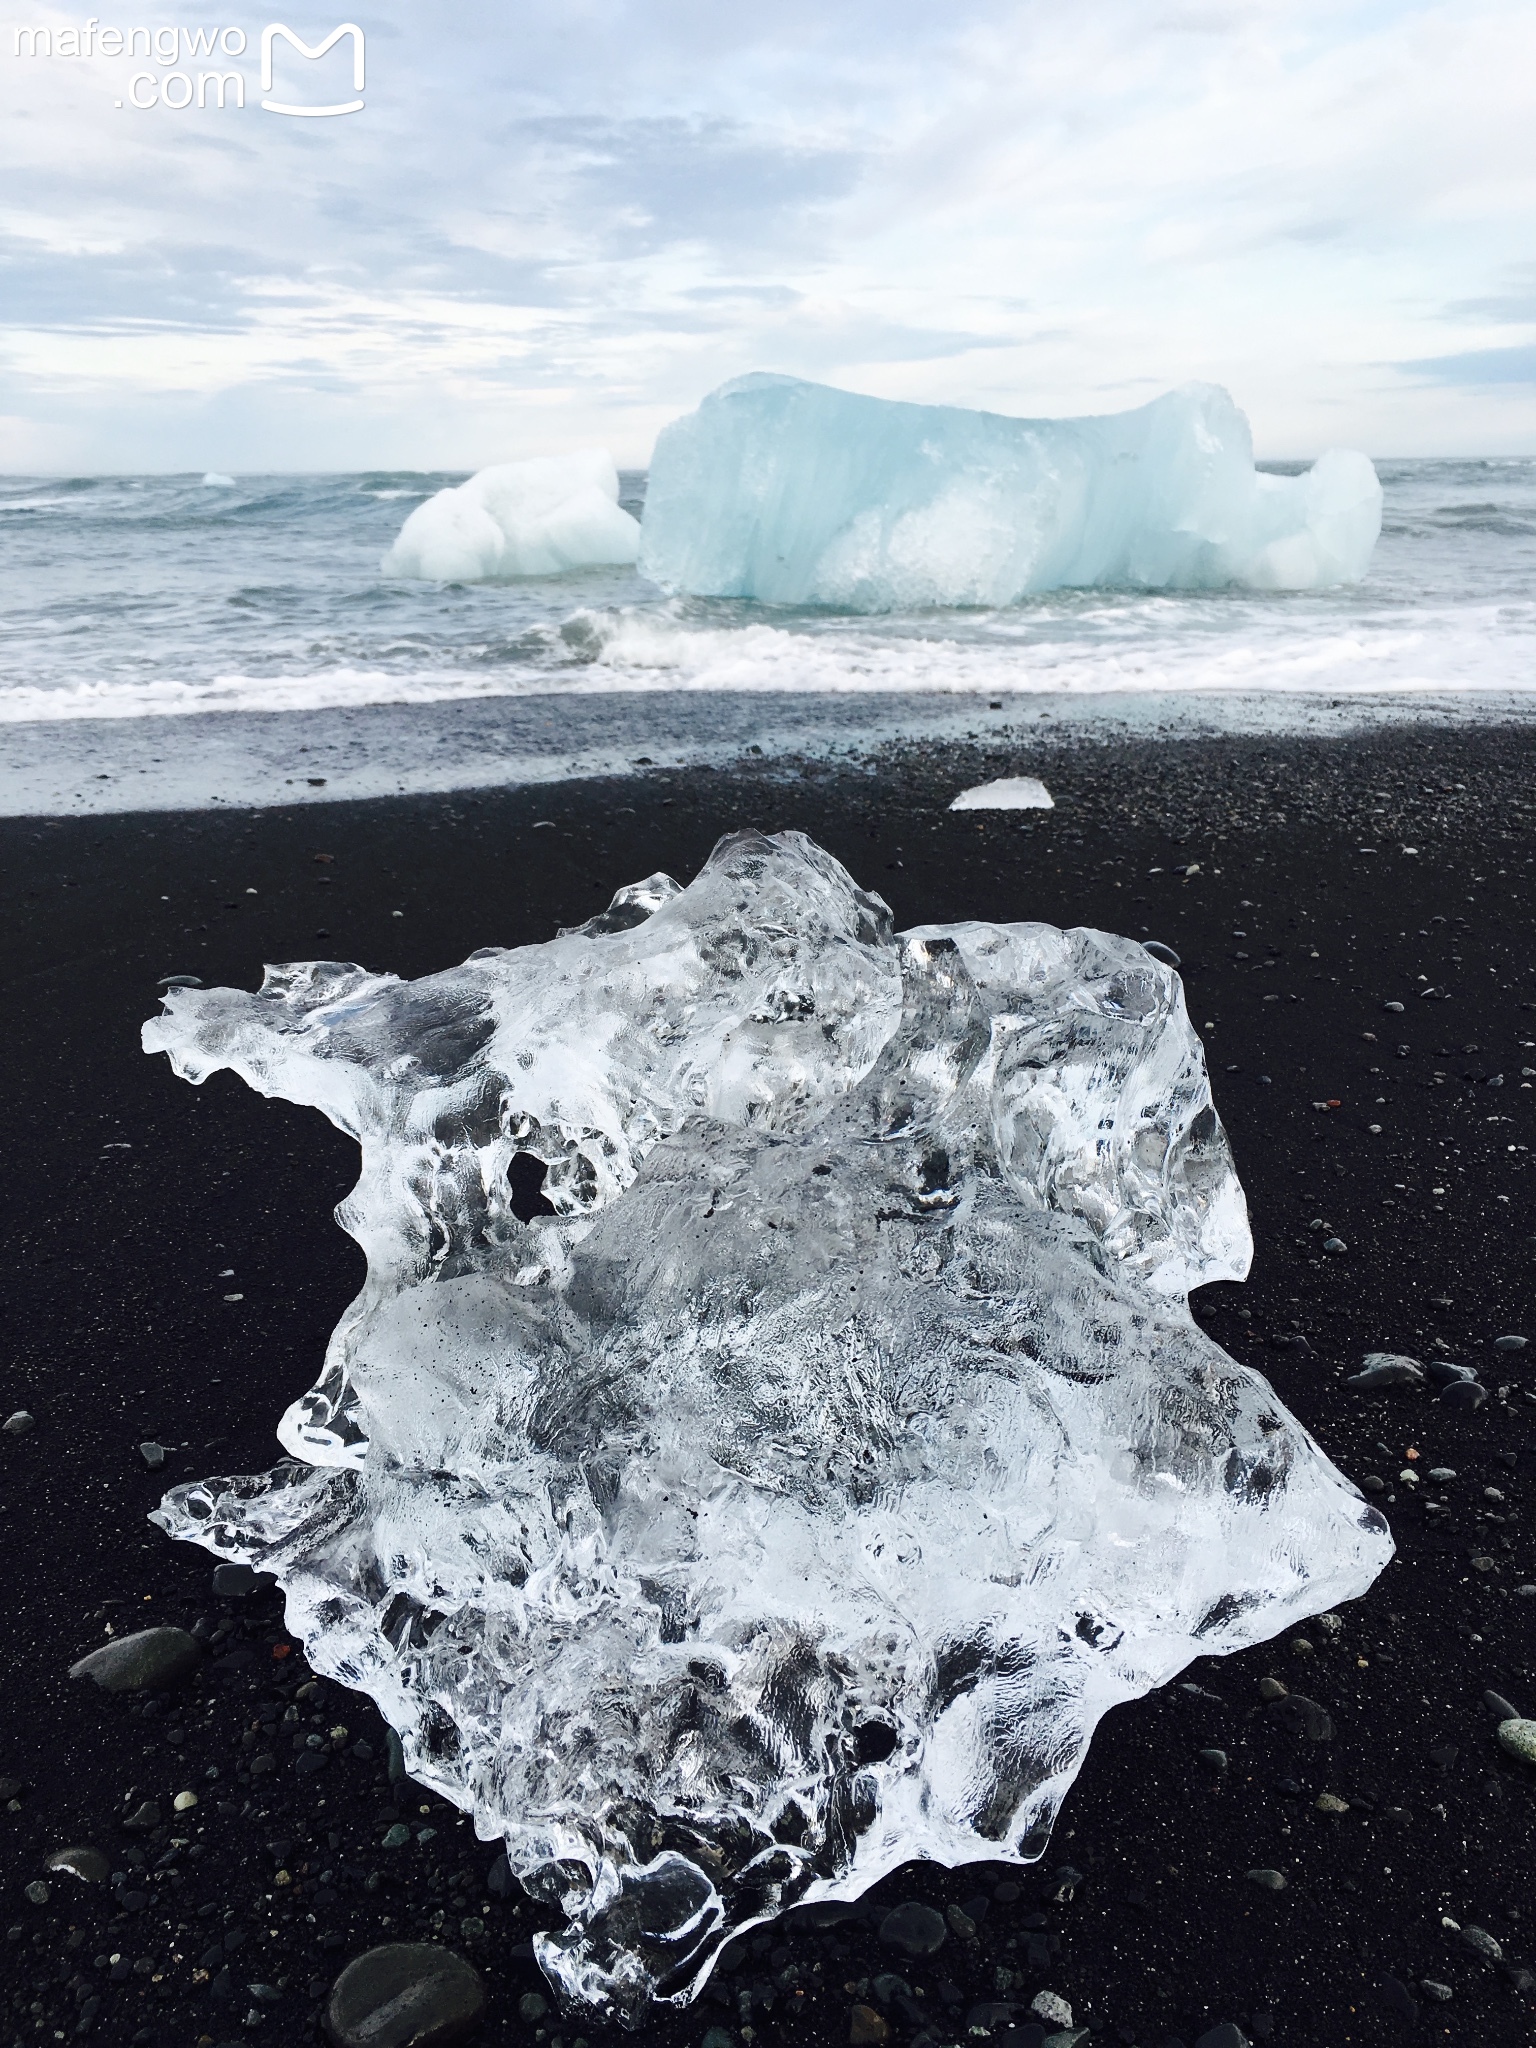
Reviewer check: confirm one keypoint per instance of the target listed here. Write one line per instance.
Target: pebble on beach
(405, 1995)
(151, 1661)
(19, 1423)
(914, 1928)
(84, 1862)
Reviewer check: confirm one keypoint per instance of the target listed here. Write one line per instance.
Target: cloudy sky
(563, 223)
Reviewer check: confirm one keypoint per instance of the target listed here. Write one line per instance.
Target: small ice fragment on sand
(1008, 793)
(536, 518)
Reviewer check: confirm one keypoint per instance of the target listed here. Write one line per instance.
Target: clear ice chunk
(535, 518)
(772, 1431)
(797, 494)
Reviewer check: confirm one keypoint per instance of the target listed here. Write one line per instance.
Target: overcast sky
(562, 224)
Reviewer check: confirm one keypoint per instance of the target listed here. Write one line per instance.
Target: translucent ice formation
(534, 518)
(787, 1485)
(798, 494)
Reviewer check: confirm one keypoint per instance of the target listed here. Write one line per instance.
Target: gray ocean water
(166, 640)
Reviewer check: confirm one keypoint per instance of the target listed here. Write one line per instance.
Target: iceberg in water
(772, 1431)
(535, 518)
(794, 493)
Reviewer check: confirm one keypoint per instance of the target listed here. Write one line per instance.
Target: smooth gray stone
(1519, 1738)
(409, 1994)
(1500, 1707)
(150, 1661)
(916, 1929)
(1298, 1715)
(1387, 1369)
(19, 1423)
(88, 1864)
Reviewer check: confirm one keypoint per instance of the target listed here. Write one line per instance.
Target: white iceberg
(797, 494)
(787, 1487)
(537, 518)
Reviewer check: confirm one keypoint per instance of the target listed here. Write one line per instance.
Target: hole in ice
(873, 1742)
(525, 1177)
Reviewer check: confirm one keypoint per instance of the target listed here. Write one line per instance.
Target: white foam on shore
(1171, 647)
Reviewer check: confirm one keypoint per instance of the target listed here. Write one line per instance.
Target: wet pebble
(19, 1423)
(915, 1929)
(1519, 1738)
(1213, 1759)
(1226, 2035)
(37, 1892)
(1298, 1715)
(1500, 1707)
(1051, 2007)
(1482, 1943)
(147, 1662)
(1442, 1994)
(239, 1581)
(1268, 1880)
(84, 1862)
(866, 2026)
(1387, 1369)
(405, 1995)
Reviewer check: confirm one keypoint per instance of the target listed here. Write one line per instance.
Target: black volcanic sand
(127, 1194)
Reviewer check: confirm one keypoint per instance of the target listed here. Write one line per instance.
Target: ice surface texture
(794, 1497)
(798, 494)
(534, 518)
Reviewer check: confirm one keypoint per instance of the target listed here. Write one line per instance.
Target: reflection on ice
(772, 1432)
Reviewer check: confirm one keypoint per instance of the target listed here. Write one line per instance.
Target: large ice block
(787, 1486)
(535, 518)
(797, 494)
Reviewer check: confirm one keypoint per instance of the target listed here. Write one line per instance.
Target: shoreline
(228, 760)
(137, 1193)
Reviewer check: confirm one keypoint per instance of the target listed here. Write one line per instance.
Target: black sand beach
(173, 1274)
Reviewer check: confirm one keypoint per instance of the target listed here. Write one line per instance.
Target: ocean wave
(1154, 649)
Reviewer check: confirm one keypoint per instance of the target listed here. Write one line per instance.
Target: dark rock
(405, 1995)
(88, 1864)
(1298, 1715)
(1509, 1343)
(1387, 1369)
(153, 1455)
(867, 2027)
(1499, 1707)
(914, 1928)
(1466, 1395)
(1444, 1374)
(143, 1818)
(150, 1661)
(19, 1424)
(1160, 951)
(500, 1882)
(1482, 1943)
(1394, 1994)
(239, 1581)
(1268, 1880)
(1223, 2036)
(1213, 1759)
